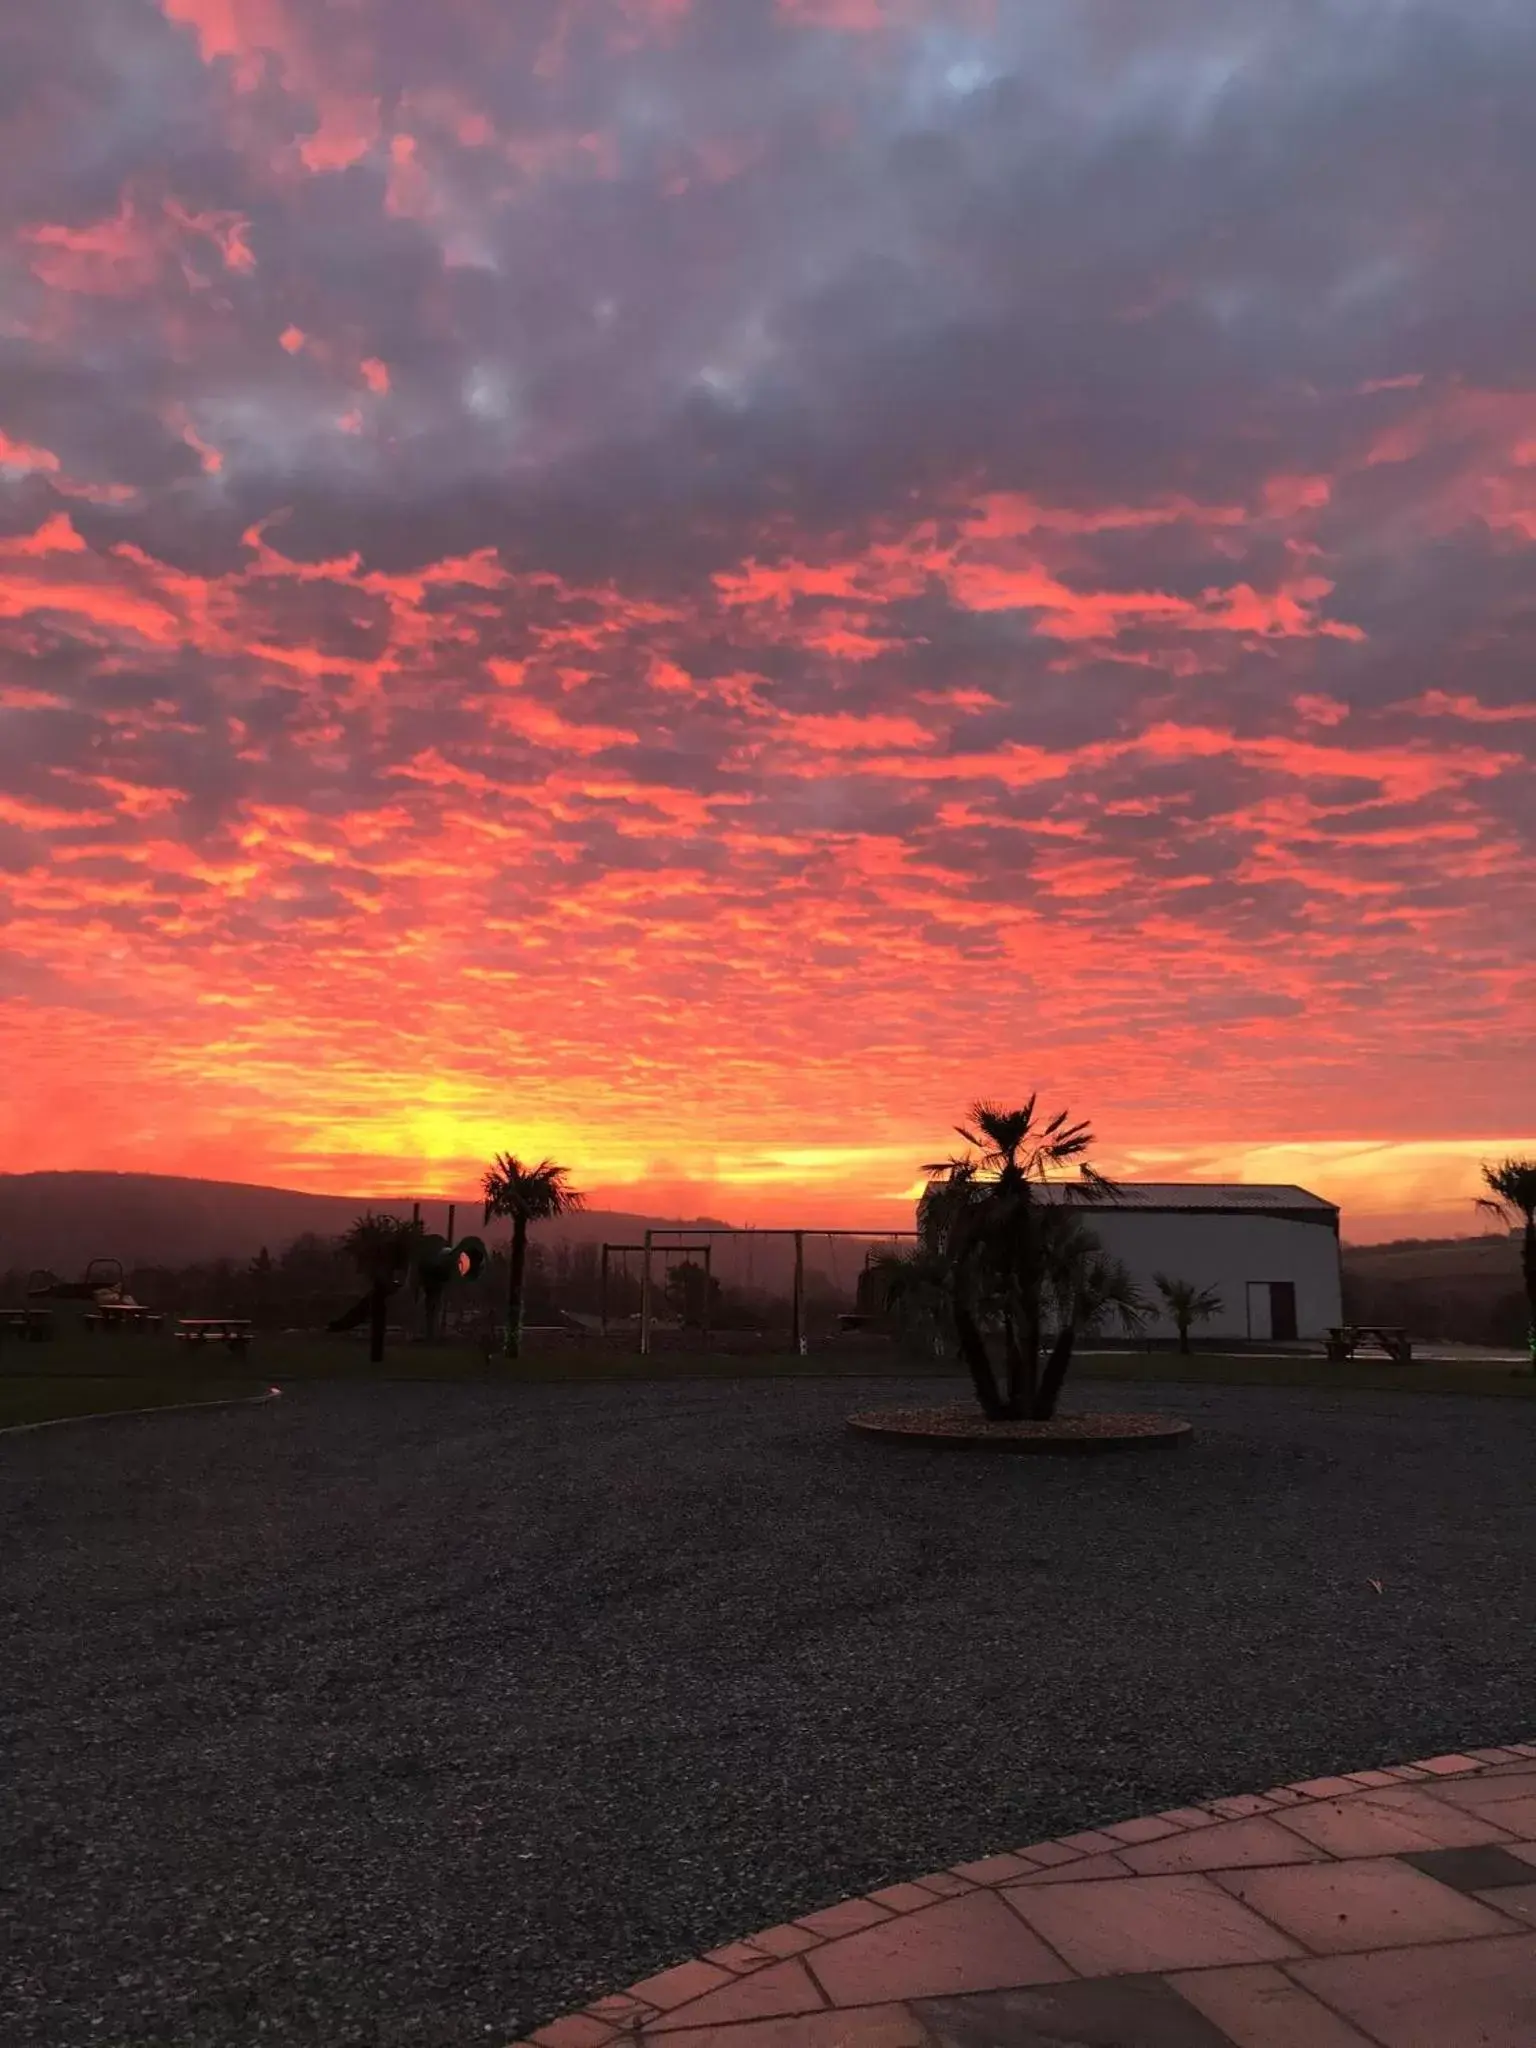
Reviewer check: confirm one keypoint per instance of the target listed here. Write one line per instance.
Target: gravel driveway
(416, 1715)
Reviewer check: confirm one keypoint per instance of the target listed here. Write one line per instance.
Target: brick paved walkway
(1386, 1909)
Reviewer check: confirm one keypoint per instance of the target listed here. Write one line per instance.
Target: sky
(691, 585)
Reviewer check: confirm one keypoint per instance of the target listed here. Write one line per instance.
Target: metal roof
(1199, 1194)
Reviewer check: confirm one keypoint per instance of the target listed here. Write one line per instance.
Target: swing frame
(656, 1240)
(686, 1249)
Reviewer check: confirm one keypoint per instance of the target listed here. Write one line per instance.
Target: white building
(1271, 1253)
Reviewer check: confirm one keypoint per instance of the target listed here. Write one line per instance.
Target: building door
(1282, 1311)
(1259, 1330)
(1272, 1311)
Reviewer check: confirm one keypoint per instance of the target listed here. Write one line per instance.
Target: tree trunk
(378, 1310)
(1023, 1361)
(973, 1350)
(1055, 1373)
(1184, 1340)
(1528, 1270)
(517, 1267)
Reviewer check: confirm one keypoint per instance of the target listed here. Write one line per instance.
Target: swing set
(657, 1241)
(688, 1252)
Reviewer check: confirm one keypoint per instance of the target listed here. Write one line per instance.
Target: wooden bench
(233, 1331)
(1346, 1340)
(123, 1315)
(35, 1324)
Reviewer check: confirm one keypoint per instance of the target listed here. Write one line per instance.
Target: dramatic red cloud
(691, 587)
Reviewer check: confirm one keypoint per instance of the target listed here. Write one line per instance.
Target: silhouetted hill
(1467, 1289)
(60, 1220)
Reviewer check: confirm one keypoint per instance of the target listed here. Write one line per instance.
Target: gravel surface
(418, 1715)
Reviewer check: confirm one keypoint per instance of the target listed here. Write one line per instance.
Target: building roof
(1202, 1195)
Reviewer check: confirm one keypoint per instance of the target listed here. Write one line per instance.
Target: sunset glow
(689, 587)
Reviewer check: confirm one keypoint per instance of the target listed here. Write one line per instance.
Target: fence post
(645, 1299)
(797, 1332)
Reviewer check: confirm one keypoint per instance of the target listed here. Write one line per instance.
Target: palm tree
(1511, 1197)
(526, 1194)
(1186, 1303)
(982, 1216)
(1086, 1288)
(380, 1247)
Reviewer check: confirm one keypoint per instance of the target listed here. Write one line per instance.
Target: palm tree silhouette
(525, 1194)
(380, 1247)
(1186, 1303)
(982, 1216)
(1511, 1197)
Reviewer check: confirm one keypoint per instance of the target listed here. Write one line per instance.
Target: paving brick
(1183, 1922)
(621, 2011)
(1371, 1779)
(1494, 1756)
(1188, 1816)
(973, 1943)
(1383, 1823)
(1512, 1794)
(1471, 1870)
(1107, 2012)
(1149, 1828)
(677, 1985)
(1089, 1841)
(993, 1869)
(785, 1940)
(945, 1885)
(1242, 1807)
(1258, 2007)
(1285, 1795)
(903, 1898)
(1515, 1901)
(1046, 1854)
(1085, 1867)
(1374, 1902)
(846, 1917)
(1469, 1994)
(773, 1993)
(736, 1956)
(868, 2026)
(1226, 1846)
(1322, 1788)
(577, 2030)
(1445, 1766)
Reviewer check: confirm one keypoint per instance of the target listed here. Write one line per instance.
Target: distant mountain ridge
(60, 1220)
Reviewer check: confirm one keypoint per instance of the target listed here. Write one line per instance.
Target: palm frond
(1511, 1186)
(512, 1189)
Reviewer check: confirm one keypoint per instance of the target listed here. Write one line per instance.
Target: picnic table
(233, 1331)
(123, 1315)
(36, 1324)
(1344, 1341)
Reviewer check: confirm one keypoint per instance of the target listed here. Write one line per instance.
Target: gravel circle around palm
(964, 1428)
(415, 1716)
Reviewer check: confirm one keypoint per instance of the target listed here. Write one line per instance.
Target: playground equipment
(676, 1255)
(103, 1282)
(433, 1265)
(438, 1264)
(657, 1241)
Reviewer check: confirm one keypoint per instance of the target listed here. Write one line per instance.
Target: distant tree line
(304, 1285)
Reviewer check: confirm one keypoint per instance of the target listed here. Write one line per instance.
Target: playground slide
(358, 1314)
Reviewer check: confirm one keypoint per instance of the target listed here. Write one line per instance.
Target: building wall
(1226, 1252)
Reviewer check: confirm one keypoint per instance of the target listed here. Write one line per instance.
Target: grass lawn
(159, 1363)
(49, 1397)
